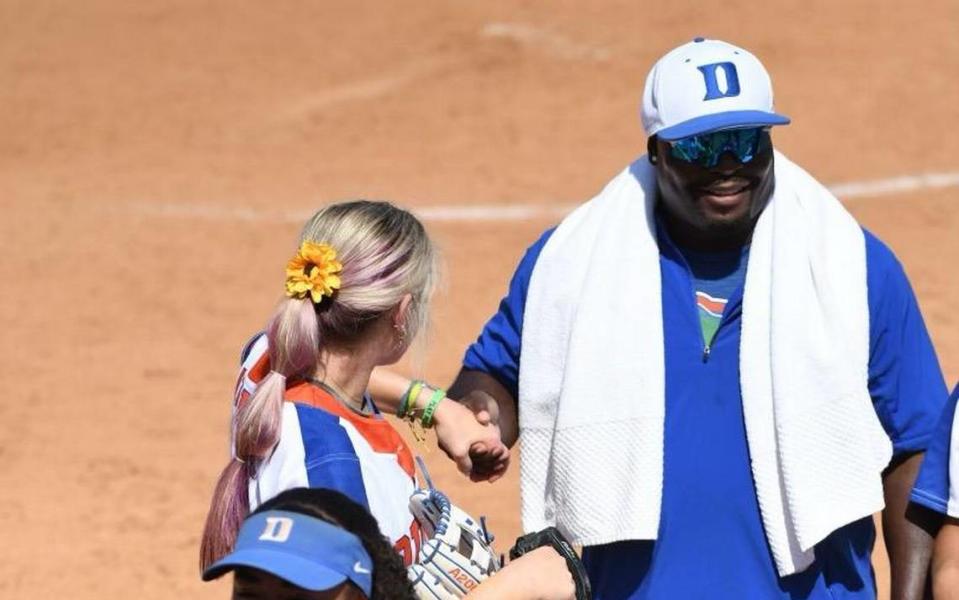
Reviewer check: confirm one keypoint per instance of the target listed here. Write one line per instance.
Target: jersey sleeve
(905, 380)
(497, 349)
(254, 367)
(932, 484)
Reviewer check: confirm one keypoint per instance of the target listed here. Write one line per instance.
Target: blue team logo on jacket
(715, 89)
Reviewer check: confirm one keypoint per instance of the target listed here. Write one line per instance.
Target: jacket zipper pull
(706, 353)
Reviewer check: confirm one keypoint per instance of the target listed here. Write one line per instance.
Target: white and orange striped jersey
(324, 444)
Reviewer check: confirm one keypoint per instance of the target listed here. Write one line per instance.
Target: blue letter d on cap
(712, 83)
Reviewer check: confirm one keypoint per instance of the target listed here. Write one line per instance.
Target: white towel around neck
(592, 381)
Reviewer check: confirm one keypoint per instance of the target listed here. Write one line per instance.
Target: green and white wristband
(427, 420)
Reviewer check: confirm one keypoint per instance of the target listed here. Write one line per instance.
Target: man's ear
(652, 150)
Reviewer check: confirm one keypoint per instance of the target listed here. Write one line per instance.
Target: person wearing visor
(312, 543)
(718, 375)
(318, 544)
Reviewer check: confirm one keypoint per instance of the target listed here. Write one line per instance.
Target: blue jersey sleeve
(905, 380)
(932, 484)
(496, 350)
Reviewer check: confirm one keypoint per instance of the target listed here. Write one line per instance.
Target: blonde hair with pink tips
(386, 255)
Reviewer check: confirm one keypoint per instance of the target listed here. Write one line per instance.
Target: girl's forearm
(387, 388)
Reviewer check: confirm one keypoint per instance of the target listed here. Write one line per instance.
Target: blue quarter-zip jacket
(711, 542)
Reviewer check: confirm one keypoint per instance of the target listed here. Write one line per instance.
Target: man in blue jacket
(714, 178)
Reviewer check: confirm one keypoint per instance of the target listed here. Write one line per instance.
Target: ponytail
(227, 510)
(293, 336)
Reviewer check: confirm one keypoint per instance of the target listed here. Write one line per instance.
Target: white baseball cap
(704, 86)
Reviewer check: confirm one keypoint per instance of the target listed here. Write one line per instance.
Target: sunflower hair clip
(313, 272)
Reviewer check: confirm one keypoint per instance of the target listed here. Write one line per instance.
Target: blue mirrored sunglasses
(706, 149)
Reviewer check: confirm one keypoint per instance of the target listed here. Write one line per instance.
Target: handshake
(474, 434)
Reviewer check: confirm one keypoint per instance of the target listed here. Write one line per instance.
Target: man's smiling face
(712, 207)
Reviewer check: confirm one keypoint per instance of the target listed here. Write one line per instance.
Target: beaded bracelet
(427, 420)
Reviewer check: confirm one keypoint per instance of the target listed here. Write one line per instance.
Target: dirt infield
(156, 158)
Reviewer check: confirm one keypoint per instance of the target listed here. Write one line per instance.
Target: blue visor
(304, 551)
(734, 119)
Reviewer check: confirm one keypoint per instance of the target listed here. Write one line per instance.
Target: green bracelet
(427, 420)
(408, 401)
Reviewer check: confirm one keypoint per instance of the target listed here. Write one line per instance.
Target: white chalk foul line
(462, 213)
(895, 185)
(435, 214)
(491, 212)
(550, 42)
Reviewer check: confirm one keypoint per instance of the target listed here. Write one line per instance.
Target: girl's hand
(474, 445)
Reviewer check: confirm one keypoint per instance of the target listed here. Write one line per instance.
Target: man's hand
(484, 406)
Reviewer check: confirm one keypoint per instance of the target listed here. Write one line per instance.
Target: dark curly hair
(389, 575)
